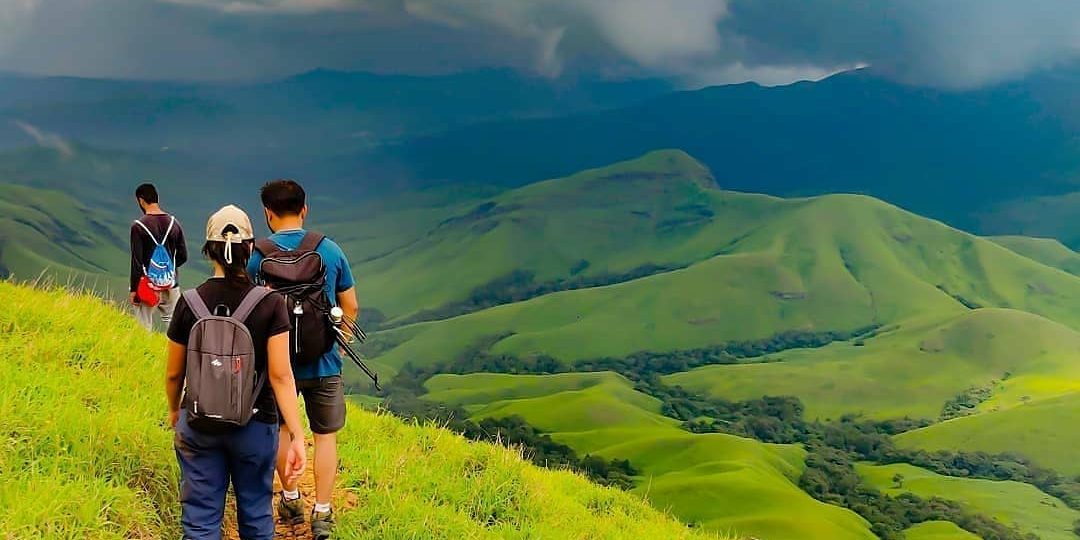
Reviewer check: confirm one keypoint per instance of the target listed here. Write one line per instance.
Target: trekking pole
(337, 316)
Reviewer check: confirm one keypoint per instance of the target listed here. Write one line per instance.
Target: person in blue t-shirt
(285, 206)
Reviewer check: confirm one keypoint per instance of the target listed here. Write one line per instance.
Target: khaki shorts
(324, 401)
(166, 305)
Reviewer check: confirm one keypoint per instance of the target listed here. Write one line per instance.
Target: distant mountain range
(957, 156)
(999, 160)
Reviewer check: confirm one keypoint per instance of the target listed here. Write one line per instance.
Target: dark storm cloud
(955, 43)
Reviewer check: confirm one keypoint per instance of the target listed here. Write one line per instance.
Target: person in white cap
(211, 458)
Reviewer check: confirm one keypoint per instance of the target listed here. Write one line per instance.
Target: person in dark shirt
(154, 226)
(245, 455)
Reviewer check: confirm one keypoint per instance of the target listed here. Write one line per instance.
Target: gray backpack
(221, 380)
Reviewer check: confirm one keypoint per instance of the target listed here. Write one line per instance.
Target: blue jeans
(208, 462)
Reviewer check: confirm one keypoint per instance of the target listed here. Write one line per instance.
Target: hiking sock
(321, 508)
(290, 495)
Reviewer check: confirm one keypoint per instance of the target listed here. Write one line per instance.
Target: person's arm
(136, 266)
(345, 284)
(348, 303)
(181, 246)
(174, 379)
(284, 387)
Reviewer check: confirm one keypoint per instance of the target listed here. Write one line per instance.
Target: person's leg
(326, 463)
(204, 481)
(251, 460)
(167, 304)
(325, 403)
(145, 315)
(291, 505)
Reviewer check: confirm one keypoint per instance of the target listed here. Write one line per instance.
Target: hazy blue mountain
(940, 153)
(300, 120)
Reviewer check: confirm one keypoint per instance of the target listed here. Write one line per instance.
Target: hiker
(314, 275)
(157, 251)
(236, 387)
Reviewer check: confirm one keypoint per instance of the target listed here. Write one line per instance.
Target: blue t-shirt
(339, 278)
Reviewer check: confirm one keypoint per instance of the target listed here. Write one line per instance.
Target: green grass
(84, 452)
(913, 369)
(1040, 430)
(1012, 503)
(48, 231)
(1048, 251)
(758, 266)
(723, 482)
(938, 530)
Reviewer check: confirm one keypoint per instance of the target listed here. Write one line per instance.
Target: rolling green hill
(1045, 250)
(48, 231)
(736, 267)
(938, 530)
(1040, 430)
(914, 368)
(81, 429)
(723, 482)
(1013, 503)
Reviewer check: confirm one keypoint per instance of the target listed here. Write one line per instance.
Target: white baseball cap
(230, 215)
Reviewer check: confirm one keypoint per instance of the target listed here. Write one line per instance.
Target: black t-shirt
(270, 318)
(142, 247)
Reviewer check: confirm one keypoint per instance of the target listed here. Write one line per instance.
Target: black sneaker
(291, 512)
(322, 524)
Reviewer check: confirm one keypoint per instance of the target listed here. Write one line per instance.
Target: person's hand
(174, 417)
(296, 460)
(134, 299)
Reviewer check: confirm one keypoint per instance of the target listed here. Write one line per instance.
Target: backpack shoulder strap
(250, 302)
(172, 221)
(196, 303)
(311, 241)
(147, 229)
(266, 246)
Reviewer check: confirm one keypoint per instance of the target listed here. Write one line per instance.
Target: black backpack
(221, 384)
(300, 276)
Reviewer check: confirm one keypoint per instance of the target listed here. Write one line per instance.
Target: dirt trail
(342, 500)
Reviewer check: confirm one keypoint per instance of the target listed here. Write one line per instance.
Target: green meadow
(721, 482)
(938, 530)
(1012, 503)
(51, 232)
(757, 266)
(646, 255)
(913, 368)
(82, 429)
(1041, 430)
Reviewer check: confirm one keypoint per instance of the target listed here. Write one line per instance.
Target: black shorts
(324, 401)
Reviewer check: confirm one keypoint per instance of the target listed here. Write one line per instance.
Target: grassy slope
(914, 369)
(726, 483)
(803, 268)
(1041, 430)
(48, 230)
(1045, 250)
(88, 441)
(1012, 503)
(938, 530)
(617, 218)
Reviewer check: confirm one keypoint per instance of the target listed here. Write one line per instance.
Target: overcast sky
(948, 43)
